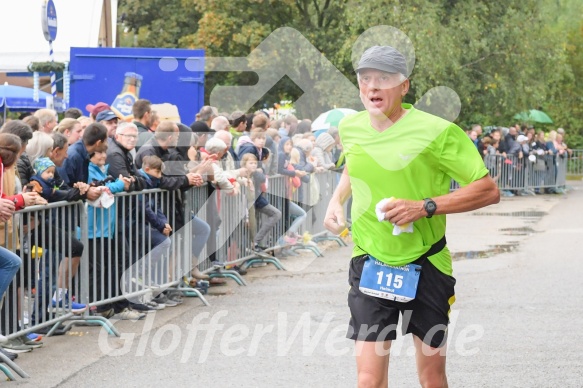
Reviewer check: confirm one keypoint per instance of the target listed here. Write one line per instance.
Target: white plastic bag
(105, 200)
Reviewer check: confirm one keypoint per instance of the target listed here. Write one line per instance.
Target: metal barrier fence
(522, 174)
(42, 237)
(575, 163)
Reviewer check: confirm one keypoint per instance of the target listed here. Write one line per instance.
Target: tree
(491, 54)
(158, 23)
(500, 58)
(234, 29)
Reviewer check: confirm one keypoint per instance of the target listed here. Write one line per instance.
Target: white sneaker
(130, 315)
(155, 306)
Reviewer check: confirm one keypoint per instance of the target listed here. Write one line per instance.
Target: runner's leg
(372, 364)
(430, 364)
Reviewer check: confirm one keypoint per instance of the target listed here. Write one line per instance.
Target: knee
(368, 379)
(166, 243)
(204, 230)
(433, 379)
(15, 262)
(199, 227)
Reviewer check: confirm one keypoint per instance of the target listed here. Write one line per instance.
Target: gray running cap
(383, 58)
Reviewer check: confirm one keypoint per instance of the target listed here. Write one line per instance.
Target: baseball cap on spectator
(95, 109)
(521, 138)
(106, 115)
(200, 126)
(383, 58)
(561, 131)
(41, 164)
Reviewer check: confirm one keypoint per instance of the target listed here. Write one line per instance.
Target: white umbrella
(330, 118)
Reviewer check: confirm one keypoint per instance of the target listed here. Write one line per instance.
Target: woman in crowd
(71, 129)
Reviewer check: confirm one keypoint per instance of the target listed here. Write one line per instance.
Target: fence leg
(221, 273)
(12, 366)
(187, 290)
(269, 260)
(195, 291)
(300, 247)
(7, 372)
(94, 321)
(330, 238)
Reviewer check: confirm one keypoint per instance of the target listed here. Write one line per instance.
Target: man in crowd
(109, 119)
(238, 126)
(95, 109)
(142, 110)
(75, 167)
(478, 140)
(220, 123)
(290, 123)
(47, 120)
(73, 113)
(166, 137)
(206, 114)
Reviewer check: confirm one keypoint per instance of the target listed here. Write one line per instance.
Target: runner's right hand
(334, 220)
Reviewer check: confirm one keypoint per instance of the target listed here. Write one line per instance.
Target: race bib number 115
(387, 282)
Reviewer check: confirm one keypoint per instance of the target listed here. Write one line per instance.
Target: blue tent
(18, 98)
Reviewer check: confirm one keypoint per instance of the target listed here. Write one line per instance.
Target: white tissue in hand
(407, 228)
(379, 206)
(397, 230)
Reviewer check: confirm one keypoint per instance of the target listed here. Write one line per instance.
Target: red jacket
(18, 199)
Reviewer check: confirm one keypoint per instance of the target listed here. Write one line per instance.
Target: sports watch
(430, 207)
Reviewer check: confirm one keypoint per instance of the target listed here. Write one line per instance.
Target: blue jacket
(76, 167)
(249, 148)
(284, 160)
(260, 200)
(53, 193)
(303, 164)
(156, 219)
(101, 222)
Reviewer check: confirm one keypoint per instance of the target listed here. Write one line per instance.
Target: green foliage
(157, 23)
(46, 67)
(500, 57)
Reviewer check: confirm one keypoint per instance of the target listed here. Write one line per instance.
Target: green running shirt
(413, 159)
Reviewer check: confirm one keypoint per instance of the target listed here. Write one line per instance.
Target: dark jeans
(107, 262)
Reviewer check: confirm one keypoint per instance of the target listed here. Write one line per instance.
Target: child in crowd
(250, 162)
(43, 182)
(310, 136)
(490, 160)
(293, 183)
(274, 134)
(322, 151)
(255, 146)
(157, 229)
(105, 250)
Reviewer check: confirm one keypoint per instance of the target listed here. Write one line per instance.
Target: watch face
(430, 207)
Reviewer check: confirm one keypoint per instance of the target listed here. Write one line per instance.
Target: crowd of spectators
(90, 158)
(509, 151)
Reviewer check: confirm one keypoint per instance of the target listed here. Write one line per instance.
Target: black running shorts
(427, 316)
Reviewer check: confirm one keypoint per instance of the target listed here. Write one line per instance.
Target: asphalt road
(515, 322)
